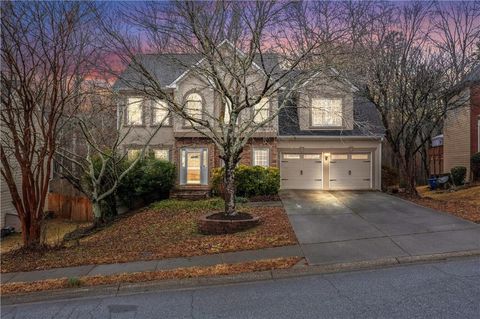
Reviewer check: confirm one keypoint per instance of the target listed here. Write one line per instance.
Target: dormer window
(134, 111)
(261, 111)
(193, 106)
(327, 112)
(160, 113)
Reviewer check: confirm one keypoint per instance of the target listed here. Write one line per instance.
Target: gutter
(320, 137)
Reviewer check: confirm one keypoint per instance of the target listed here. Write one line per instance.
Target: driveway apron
(350, 226)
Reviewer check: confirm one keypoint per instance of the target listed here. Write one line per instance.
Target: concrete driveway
(349, 226)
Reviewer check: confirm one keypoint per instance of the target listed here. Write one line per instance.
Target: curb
(123, 289)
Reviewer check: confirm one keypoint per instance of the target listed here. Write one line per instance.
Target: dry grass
(165, 230)
(55, 230)
(191, 272)
(464, 203)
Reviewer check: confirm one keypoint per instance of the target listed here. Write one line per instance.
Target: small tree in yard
(99, 169)
(46, 50)
(234, 42)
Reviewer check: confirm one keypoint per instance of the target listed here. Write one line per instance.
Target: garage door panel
(301, 173)
(352, 171)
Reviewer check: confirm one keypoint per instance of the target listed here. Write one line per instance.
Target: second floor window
(193, 106)
(134, 111)
(227, 112)
(261, 111)
(159, 113)
(326, 112)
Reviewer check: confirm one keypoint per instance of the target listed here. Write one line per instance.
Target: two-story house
(461, 130)
(326, 137)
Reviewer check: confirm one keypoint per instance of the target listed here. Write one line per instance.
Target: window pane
(133, 154)
(311, 156)
(227, 112)
(194, 106)
(260, 157)
(360, 156)
(160, 112)
(339, 156)
(161, 154)
(261, 110)
(291, 156)
(326, 112)
(134, 111)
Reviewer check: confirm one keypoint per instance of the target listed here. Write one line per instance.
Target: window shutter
(204, 167)
(183, 167)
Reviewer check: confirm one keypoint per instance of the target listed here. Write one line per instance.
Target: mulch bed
(264, 198)
(156, 233)
(191, 272)
(462, 209)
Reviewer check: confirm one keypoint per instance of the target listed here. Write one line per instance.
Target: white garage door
(350, 171)
(301, 171)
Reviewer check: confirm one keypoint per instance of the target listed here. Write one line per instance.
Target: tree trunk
(408, 174)
(97, 214)
(31, 232)
(229, 192)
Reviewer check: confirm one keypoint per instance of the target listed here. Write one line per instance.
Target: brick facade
(213, 155)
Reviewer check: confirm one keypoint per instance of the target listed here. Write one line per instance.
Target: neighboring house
(435, 155)
(336, 148)
(462, 125)
(9, 216)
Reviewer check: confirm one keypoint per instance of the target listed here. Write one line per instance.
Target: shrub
(149, 180)
(389, 177)
(458, 174)
(73, 282)
(250, 181)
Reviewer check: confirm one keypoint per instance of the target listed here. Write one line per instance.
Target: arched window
(193, 105)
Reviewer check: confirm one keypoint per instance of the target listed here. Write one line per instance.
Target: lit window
(133, 154)
(227, 112)
(261, 111)
(160, 113)
(260, 157)
(339, 157)
(134, 111)
(359, 156)
(326, 112)
(291, 156)
(161, 154)
(311, 156)
(194, 106)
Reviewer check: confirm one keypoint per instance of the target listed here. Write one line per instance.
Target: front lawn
(464, 203)
(166, 229)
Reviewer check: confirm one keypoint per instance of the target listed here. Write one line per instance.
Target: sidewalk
(153, 265)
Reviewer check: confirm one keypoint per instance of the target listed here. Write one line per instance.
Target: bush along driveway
(167, 229)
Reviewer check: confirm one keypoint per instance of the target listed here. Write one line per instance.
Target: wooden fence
(75, 208)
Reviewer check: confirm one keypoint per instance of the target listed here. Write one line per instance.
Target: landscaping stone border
(209, 226)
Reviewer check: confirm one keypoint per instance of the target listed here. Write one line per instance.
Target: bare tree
(455, 33)
(45, 51)
(246, 58)
(98, 168)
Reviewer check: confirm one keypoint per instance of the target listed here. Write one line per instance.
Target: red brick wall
(474, 116)
(214, 160)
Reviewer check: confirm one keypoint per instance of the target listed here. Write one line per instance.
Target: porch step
(190, 194)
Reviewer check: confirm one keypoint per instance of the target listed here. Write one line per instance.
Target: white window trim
(262, 106)
(127, 110)
(188, 110)
(337, 117)
(164, 107)
(254, 150)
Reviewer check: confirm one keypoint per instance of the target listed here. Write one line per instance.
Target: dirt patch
(191, 272)
(464, 203)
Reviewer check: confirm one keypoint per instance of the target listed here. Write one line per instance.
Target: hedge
(250, 180)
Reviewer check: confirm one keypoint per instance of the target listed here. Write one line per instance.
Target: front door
(193, 166)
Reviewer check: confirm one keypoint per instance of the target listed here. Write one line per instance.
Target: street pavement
(447, 289)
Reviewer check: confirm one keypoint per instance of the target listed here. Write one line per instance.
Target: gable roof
(168, 67)
(366, 118)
